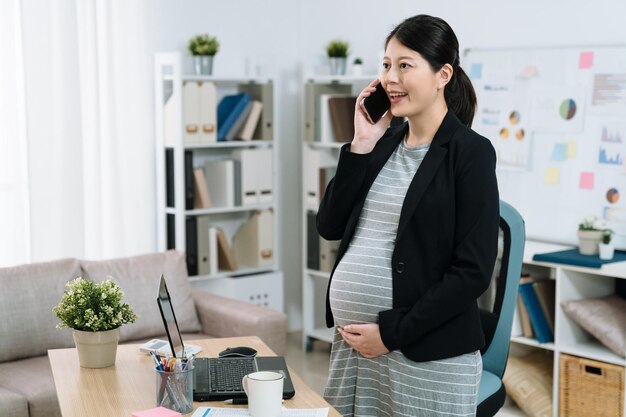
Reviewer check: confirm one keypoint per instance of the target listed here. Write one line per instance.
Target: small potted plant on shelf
(590, 234)
(203, 48)
(357, 67)
(94, 311)
(607, 249)
(337, 51)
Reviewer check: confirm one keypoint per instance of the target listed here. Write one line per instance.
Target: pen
(240, 401)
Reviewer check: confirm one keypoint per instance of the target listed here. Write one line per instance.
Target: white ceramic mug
(265, 393)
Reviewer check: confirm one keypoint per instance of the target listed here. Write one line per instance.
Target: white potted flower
(590, 233)
(95, 312)
(337, 51)
(357, 67)
(607, 249)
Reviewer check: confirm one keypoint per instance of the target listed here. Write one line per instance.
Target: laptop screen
(169, 318)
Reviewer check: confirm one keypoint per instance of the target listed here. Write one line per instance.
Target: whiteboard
(557, 119)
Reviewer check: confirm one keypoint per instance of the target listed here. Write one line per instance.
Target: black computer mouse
(239, 351)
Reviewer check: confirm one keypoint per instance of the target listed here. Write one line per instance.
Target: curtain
(87, 70)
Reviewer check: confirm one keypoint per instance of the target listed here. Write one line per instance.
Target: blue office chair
(497, 319)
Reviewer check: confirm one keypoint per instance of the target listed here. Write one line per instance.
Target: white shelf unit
(169, 81)
(314, 282)
(572, 282)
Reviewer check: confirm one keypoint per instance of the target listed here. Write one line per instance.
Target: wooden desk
(129, 385)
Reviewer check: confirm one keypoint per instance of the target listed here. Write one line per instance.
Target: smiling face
(412, 85)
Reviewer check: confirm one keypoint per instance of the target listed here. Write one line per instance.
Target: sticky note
(571, 149)
(559, 153)
(529, 71)
(586, 180)
(156, 412)
(585, 60)
(552, 175)
(476, 71)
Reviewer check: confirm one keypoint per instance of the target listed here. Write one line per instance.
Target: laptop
(216, 379)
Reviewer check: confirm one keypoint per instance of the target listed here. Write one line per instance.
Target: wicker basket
(589, 388)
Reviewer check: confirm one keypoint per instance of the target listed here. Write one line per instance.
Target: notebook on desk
(218, 378)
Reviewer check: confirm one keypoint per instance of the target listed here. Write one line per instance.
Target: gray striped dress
(390, 385)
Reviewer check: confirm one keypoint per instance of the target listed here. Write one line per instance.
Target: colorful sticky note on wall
(559, 153)
(552, 175)
(585, 60)
(586, 180)
(571, 149)
(476, 71)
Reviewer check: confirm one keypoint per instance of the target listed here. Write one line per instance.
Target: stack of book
(536, 308)
(237, 117)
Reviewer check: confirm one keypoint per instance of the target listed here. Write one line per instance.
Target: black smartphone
(377, 104)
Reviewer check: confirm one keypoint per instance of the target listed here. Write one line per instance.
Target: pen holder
(174, 390)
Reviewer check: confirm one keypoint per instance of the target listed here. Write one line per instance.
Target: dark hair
(436, 42)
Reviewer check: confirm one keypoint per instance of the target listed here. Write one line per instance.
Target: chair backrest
(498, 320)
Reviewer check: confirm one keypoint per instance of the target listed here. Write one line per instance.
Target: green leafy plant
(357, 61)
(203, 45)
(337, 48)
(93, 306)
(607, 236)
(590, 224)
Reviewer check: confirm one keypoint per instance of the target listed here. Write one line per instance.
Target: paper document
(235, 412)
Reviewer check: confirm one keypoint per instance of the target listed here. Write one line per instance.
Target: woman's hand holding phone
(366, 134)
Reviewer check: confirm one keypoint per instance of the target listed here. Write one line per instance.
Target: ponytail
(461, 97)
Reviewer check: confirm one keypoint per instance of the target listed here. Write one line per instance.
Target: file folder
(207, 112)
(253, 244)
(191, 112)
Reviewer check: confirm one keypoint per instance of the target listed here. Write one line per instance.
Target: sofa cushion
(12, 404)
(27, 295)
(32, 379)
(138, 277)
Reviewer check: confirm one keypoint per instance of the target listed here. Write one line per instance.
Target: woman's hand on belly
(364, 338)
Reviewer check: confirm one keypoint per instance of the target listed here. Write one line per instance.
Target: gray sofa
(28, 325)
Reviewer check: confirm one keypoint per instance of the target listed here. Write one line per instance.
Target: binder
(527, 329)
(537, 318)
(191, 112)
(169, 177)
(192, 245)
(312, 113)
(202, 232)
(220, 177)
(202, 197)
(239, 122)
(248, 176)
(545, 291)
(213, 249)
(253, 244)
(228, 110)
(312, 164)
(342, 117)
(249, 127)
(189, 182)
(207, 112)
(264, 177)
(312, 242)
(170, 194)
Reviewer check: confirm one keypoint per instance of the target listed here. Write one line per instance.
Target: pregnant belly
(358, 297)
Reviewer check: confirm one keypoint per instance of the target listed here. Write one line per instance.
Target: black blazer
(446, 242)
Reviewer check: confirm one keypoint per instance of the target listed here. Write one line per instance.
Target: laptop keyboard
(225, 375)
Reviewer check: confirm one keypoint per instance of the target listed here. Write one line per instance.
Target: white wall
(287, 36)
